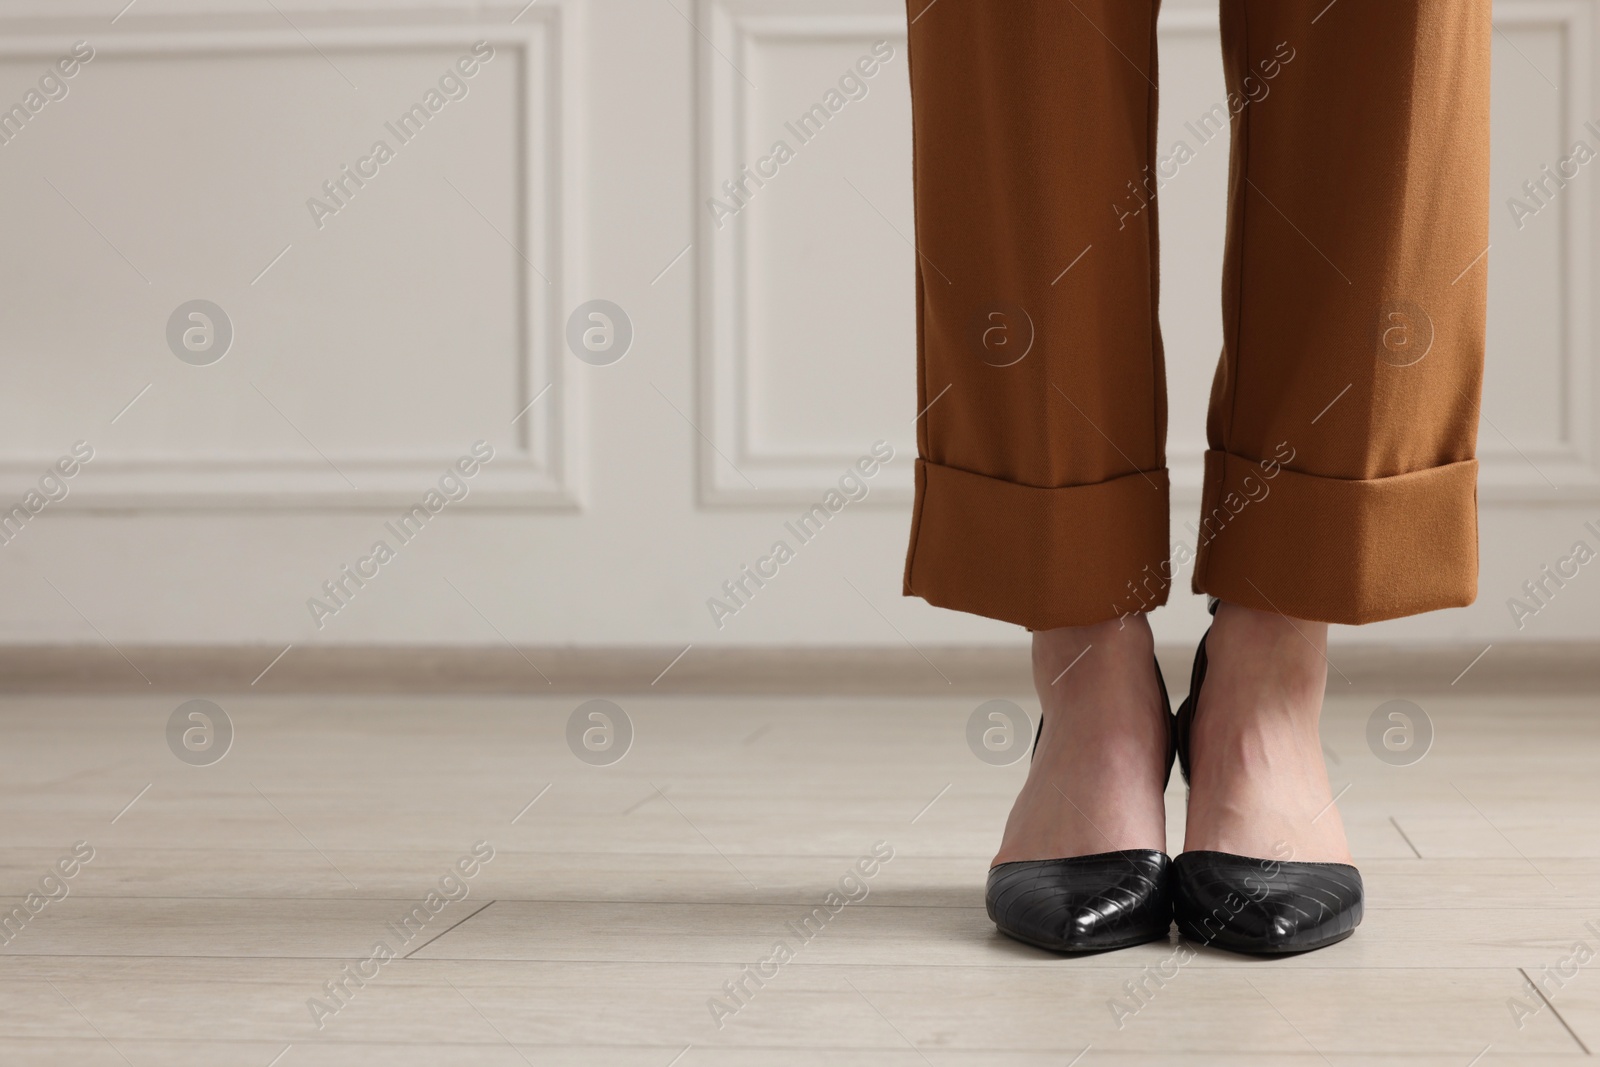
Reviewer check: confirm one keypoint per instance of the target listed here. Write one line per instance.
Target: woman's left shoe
(1257, 905)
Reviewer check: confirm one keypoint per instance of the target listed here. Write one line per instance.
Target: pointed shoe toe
(1264, 906)
(1083, 903)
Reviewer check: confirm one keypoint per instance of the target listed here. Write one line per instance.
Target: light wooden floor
(618, 904)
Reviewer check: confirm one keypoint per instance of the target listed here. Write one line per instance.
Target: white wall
(431, 309)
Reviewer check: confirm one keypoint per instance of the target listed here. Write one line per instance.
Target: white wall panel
(768, 354)
(371, 346)
(808, 274)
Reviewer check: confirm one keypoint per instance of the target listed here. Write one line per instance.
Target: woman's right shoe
(1086, 903)
(1253, 905)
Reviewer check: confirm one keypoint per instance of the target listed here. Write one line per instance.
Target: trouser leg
(1041, 480)
(1340, 483)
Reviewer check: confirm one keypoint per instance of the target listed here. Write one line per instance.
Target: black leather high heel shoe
(1257, 905)
(1086, 903)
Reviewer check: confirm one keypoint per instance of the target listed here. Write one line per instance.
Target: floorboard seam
(1404, 836)
(441, 933)
(1555, 1011)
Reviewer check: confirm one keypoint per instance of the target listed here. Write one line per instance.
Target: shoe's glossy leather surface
(1256, 905)
(1084, 903)
(1264, 906)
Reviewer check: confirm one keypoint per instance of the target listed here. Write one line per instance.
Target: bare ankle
(1267, 627)
(1290, 652)
(1122, 640)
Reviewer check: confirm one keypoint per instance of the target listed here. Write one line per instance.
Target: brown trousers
(1340, 480)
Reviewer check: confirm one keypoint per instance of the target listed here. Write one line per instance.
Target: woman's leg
(1259, 786)
(1096, 781)
(1341, 484)
(1041, 482)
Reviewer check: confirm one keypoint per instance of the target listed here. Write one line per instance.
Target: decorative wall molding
(730, 467)
(537, 464)
(1512, 473)
(1509, 473)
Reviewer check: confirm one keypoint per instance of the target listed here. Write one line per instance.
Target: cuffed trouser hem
(1334, 549)
(1039, 557)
